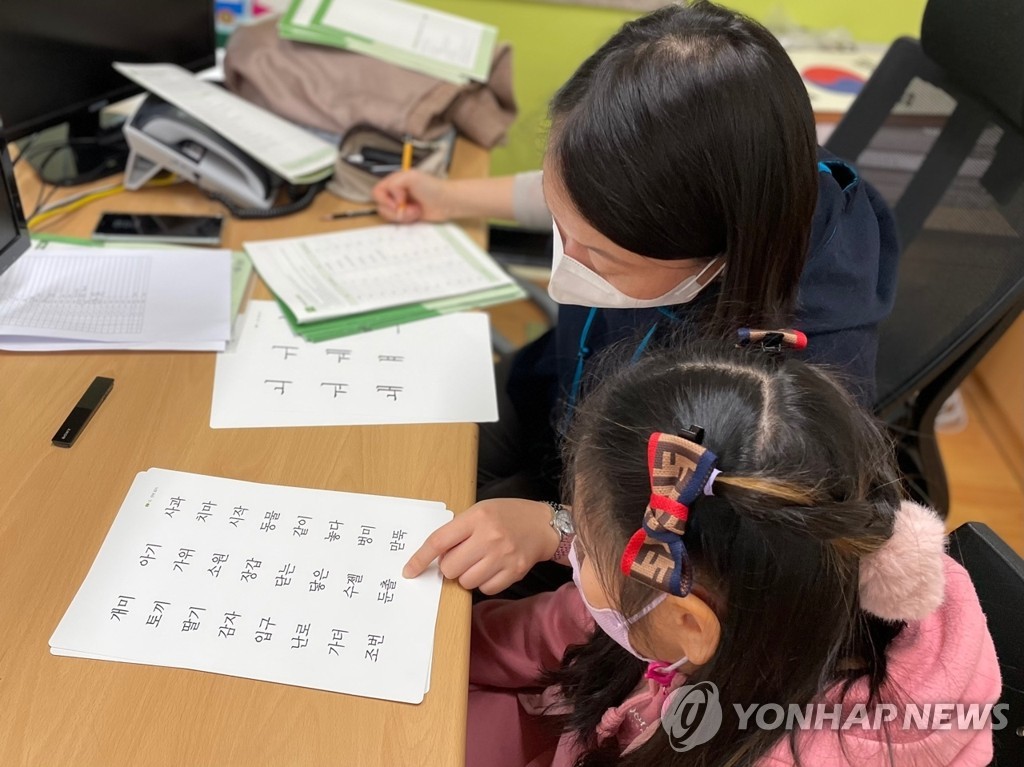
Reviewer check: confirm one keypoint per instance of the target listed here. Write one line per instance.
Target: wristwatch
(561, 522)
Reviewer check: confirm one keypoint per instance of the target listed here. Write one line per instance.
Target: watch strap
(562, 552)
(566, 538)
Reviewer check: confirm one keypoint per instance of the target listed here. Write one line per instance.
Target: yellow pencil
(407, 155)
(406, 165)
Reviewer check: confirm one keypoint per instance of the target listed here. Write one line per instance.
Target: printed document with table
(361, 270)
(72, 298)
(408, 35)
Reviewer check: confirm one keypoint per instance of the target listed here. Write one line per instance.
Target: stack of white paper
(437, 370)
(61, 298)
(345, 273)
(283, 584)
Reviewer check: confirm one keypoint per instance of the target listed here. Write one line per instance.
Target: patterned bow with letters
(681, 471)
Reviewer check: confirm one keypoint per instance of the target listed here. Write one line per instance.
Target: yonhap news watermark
(694, 715)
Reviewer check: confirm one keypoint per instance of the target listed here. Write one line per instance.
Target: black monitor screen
(56, 55)
(13, 232)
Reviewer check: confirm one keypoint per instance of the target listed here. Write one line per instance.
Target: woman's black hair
(808, 486)
(689, 134)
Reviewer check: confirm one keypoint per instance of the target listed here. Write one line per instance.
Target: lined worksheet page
(439, 36)
(304, 11)
(144, 296)
(98, 295)
(335, 275)
(283, 584)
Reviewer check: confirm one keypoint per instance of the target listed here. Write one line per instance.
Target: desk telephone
(162, 137)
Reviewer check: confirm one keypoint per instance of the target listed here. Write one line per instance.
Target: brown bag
(334, 90)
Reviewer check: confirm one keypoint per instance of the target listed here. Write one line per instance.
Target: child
(774, 559)
(687, 191)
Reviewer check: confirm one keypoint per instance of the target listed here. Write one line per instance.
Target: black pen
(82, 412)
(374, 168)
(349, 214)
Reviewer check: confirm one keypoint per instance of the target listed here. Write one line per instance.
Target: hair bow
(681, 471)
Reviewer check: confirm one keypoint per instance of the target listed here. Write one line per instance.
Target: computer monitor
(13, 230)
(55, 67)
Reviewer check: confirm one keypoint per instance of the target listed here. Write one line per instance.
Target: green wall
(549, 42)
(879, 21)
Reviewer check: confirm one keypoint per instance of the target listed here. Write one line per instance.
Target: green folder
(325, 330)
(300, 25)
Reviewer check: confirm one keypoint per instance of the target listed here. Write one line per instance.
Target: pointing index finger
(442, 540)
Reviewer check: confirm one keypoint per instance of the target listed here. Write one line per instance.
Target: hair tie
(708, 489)
(773, 341)
(903, 580)
(681, 471)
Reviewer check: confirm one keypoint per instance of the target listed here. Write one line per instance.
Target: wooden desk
(56, 506)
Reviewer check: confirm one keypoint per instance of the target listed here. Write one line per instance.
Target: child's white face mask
(612, 622)
(573, 283)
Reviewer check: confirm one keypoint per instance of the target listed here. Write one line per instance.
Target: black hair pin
(771, 341)
(695, 434)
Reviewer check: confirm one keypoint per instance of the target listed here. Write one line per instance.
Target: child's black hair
(808, 486)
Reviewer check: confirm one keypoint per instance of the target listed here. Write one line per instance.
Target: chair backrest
(998, 576)
(526, 255)
(978, 44)
(951, 165)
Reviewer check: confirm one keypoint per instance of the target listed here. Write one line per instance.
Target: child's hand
(411, 196)
(491, 545)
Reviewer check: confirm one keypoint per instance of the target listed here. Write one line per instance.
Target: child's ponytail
(853, 527)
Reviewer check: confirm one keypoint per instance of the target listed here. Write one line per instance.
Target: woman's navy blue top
(847, 287)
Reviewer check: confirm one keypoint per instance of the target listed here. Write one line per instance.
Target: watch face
(563, 522)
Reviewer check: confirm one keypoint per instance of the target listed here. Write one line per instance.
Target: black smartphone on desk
(147, 227)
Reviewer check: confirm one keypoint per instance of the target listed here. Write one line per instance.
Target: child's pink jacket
(945, 658)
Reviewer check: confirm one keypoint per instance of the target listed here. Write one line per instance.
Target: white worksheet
(444, 38)
(408, 35)
(283, 584)
(342, 273)
(437, 370)
(305, 11)
(146, 297)
(43, 344)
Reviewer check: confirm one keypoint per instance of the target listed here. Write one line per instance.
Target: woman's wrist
(477, 198)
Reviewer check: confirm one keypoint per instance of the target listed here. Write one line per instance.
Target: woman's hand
(491, 545)
(410, 196)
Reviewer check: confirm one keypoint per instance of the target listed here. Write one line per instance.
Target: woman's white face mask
(573, 283)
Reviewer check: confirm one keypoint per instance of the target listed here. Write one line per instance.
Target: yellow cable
(71, 206)
(83, 201)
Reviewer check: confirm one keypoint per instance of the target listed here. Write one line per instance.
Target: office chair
(998, 576)
(511, 247)
(941, 136)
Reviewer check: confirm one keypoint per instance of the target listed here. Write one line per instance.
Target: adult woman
(687, 193)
